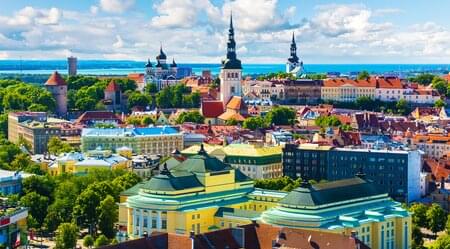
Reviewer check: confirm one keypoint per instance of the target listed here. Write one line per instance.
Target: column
(149, 222)
(158, 220)
(141, 222)
(129, 221)
(133, 227)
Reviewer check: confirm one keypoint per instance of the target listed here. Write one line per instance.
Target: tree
(417, 238)
(327, 121)
(443, 242)
(56, 146)
(402, 106)
(134, 120)
(67, 236)
(281, 116)
(440, 85)
(419, 214)
(147, 120)
(151, 88)
(365, 103)
(191, 116)
(254, 123)
(439, 103)
(447, 225)
(436, 218)
(102, 240)
(231, 121)
(108, 215)
(37, 206)
(363, 75)
(85, 103)
(86, 207)
(42, 185)
(138, 99)
(88, 241)
(423, 79)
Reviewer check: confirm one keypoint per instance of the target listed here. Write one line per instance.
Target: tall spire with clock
(231, 71)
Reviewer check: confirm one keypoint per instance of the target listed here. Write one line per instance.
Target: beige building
(346, 90)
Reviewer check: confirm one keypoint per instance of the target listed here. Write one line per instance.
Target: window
(164, 224)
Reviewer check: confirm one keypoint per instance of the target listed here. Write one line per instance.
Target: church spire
(231, 61)
(293, 58)
(293, 38)
(231, 20)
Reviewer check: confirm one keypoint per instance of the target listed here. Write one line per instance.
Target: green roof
(237, 213)
(172, 182)
(202, 163)
(331, 192)
(133, 190)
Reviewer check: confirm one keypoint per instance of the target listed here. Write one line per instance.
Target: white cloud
(116, 6)
(93, 9)
(182, 13)
(119, 42)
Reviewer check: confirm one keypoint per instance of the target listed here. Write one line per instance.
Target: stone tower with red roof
(57, 86)
(113, 97)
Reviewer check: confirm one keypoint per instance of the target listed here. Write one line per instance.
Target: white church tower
(293, 66)
(231, 71)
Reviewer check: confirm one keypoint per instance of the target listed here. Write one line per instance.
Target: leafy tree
(419, 214)
(327, 121)
(254, 123)
(363, 75)
(42, 185)
(439, 103)
(417, 238)
(231, 122)
(67, 236)
(138, 99)
(88, 241)
(436, 218)
(402, 106)
(37, 206)
(440, 85)
(423, 79)
(102, 240)
(108, 215)
(151, 88)
(4, 124)
(37, 108)
(191, 116)
(125, 84)
(147, 120)
(364, 103)
(85, 208)
(86, 103)
(443, 242)
(56, 146)
(58, 212)
(281, 116)
(134, 120)
(125, 181)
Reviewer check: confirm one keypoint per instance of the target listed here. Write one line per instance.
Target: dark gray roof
(331, 192)
(172, 182)
(231, 64)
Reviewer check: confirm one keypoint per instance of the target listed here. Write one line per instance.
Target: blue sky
(378, 31)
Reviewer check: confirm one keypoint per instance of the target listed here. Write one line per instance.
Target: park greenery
(190, 116)
(279, 115)
(68, 203)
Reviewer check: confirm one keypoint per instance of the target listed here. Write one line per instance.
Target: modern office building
(11, 182)
(396, 171)
(202, 194)
(36, 129)
(160, 140)
(13, 225)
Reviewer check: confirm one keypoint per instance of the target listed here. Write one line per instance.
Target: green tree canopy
(419, 214)
(67, 236)
(327, 121)
(138, 99)
(107, 216)
(439, 103)
(102, 240)
(254, 123)
(56, 146)
(37, 206)
(190, 116)
(281, 116)
(440, 85)
(436, 217)
(423, 79)
(88, 241)
(363, 75)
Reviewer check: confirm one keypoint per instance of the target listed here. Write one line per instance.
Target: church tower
(231, 71)
(293, 66)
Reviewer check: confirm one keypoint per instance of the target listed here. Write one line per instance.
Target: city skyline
(193, 31)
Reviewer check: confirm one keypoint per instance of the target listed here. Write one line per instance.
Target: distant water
(105, 67)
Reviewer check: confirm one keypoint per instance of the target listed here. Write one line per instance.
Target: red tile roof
(137, 77)
(439, 169)
(212, 109)
(388, 83)
(55, 80)
(112, 87)
(342, 81)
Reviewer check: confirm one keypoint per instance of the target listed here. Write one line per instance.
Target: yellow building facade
(203, 194)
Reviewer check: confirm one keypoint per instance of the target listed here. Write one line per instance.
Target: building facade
(203, 194)
(346, 90)
(72, 66)
(396, 171)
(147, 141)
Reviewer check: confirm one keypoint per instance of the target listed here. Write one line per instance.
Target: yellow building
(254, 160)
(203, 194)
(79, 163)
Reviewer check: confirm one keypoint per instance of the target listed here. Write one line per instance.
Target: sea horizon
(124, 67)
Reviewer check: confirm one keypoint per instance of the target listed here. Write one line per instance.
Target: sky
(190, 31)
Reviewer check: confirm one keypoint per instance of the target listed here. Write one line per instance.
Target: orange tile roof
(342, 81)
(388, 83)
(230, 115)
(137, 77)
(112, 87)
(55, 80)
(212, 109)
(235, 103)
